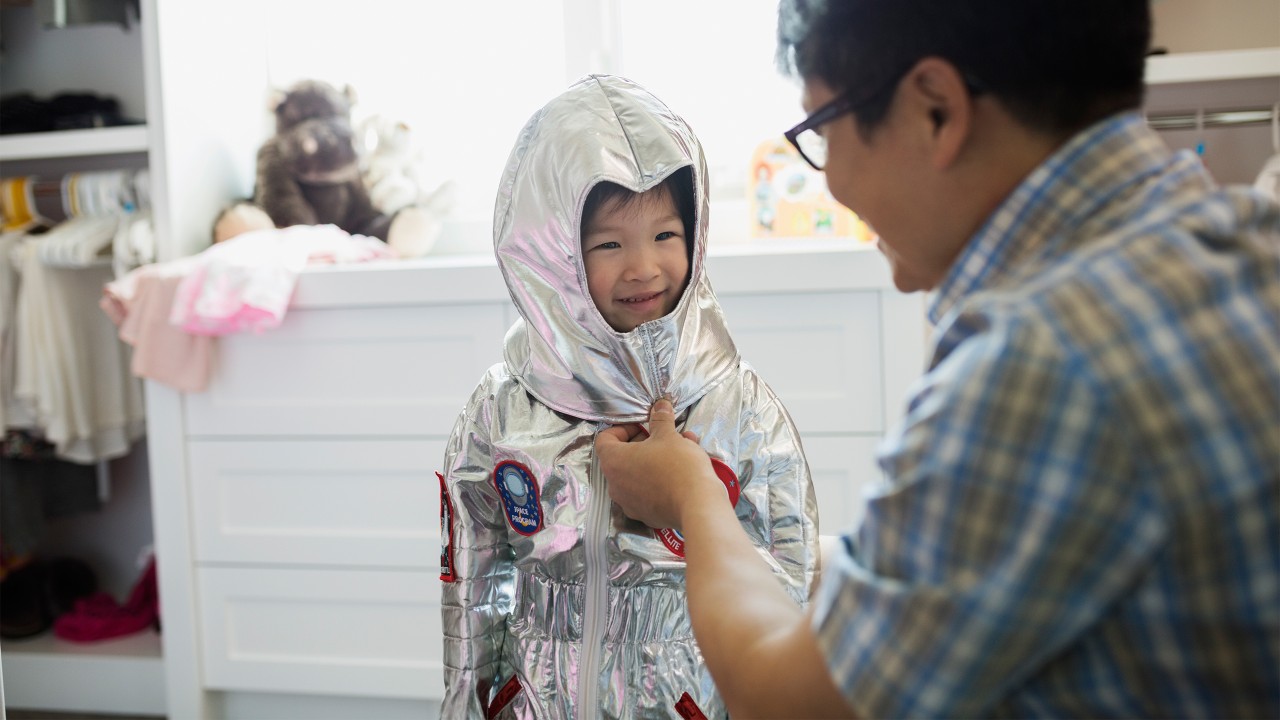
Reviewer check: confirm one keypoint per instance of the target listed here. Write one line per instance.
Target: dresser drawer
(821, 352)
(842, 467)
(374, 371)
(331, 502)
(335, 632)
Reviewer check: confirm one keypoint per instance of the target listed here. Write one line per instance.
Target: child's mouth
(640, 299)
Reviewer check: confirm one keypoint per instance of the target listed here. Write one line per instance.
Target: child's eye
(665, 235)
(610, 245)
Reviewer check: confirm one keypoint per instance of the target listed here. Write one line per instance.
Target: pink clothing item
(245, 283)
(139, 304)
(170, 312)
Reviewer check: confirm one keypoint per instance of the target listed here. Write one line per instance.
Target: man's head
(1056, 65)
(936, 109)
(636, 249)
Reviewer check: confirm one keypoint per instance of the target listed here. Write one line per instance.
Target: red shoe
(98, 617)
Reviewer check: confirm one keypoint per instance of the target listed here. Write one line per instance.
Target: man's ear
(943, 106)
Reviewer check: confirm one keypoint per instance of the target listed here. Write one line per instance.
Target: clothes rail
(30, 199)
(1211, 118)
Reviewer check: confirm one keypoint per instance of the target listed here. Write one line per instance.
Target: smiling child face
(636, 258)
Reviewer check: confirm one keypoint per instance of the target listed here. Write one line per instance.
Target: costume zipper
(595, 605)
(661, 380)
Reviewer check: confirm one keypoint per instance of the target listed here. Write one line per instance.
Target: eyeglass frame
(843, 103)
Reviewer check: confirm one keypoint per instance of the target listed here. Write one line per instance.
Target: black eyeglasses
(806, 139)
(812, 145)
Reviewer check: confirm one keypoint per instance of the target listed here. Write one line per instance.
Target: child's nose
(642, 264)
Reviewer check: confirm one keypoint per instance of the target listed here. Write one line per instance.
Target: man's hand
(654, 479)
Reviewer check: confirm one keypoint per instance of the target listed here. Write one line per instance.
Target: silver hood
(561, 350)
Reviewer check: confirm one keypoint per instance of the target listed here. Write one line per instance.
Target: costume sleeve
(475, 562)
(782, 514)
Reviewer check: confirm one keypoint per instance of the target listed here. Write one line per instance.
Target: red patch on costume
(447, 573)
(672, 538)
(504, 697)
(689, 709)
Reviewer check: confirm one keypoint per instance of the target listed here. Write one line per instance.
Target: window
(478, 70)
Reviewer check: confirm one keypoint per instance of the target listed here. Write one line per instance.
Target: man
(1080, 511)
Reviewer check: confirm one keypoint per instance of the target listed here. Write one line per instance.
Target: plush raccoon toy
(308, 173)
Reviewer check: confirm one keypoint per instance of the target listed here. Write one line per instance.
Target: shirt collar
(1065, 191)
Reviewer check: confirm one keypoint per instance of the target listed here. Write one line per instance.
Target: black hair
(678, 184)
(1056, 65)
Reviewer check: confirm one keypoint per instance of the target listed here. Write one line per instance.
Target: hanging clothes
(71, 371)
(1269, 178)
(12, 413)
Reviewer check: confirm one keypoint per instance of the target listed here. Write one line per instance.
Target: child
(554, 604)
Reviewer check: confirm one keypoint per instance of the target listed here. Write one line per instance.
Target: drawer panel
(353, 371)
(348, 502)
(842, 468)
(821, 352)
(333, 632)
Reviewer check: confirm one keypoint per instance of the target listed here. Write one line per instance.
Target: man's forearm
(755, 639)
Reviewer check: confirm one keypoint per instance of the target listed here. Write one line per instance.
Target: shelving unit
(1213, 66)
(1189, 93)
(75, 143)
(124, 676)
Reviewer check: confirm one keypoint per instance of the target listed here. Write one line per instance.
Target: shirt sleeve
(978, 561)
(476, 564)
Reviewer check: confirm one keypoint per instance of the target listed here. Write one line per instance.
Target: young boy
(554, 604)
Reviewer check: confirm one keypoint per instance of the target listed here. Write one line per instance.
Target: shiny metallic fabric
(584, 607)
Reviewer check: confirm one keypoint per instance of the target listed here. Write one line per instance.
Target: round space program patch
(518, 489)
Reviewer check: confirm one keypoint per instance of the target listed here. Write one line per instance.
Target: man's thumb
(662, 417)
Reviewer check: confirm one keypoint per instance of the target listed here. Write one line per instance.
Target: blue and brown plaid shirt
(1081, 512)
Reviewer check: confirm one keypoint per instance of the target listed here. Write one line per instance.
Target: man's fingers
(619, 433)
(662, 418)
(692, 436)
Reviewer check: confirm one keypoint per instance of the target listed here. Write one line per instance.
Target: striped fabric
(1081, 513)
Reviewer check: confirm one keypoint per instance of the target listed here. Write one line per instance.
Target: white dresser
(296, 504)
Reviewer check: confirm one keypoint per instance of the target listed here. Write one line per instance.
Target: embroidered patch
(689, 709)
(672, 538)
(519, 491)
(446, 533)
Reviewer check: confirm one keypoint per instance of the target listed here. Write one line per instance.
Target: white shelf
(1211, 66)
(124, 675)
(75, 143)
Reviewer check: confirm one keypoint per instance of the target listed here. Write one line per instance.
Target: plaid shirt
(1080, 518)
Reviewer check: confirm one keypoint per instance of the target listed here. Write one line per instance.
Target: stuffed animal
(393, 169)
(313, 171)
(390, 163)
(239, 217)
(308, 173)
(311, 99)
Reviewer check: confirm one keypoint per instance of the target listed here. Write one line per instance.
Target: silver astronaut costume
(544, 579)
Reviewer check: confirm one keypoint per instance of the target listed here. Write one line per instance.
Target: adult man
(1080, 511)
